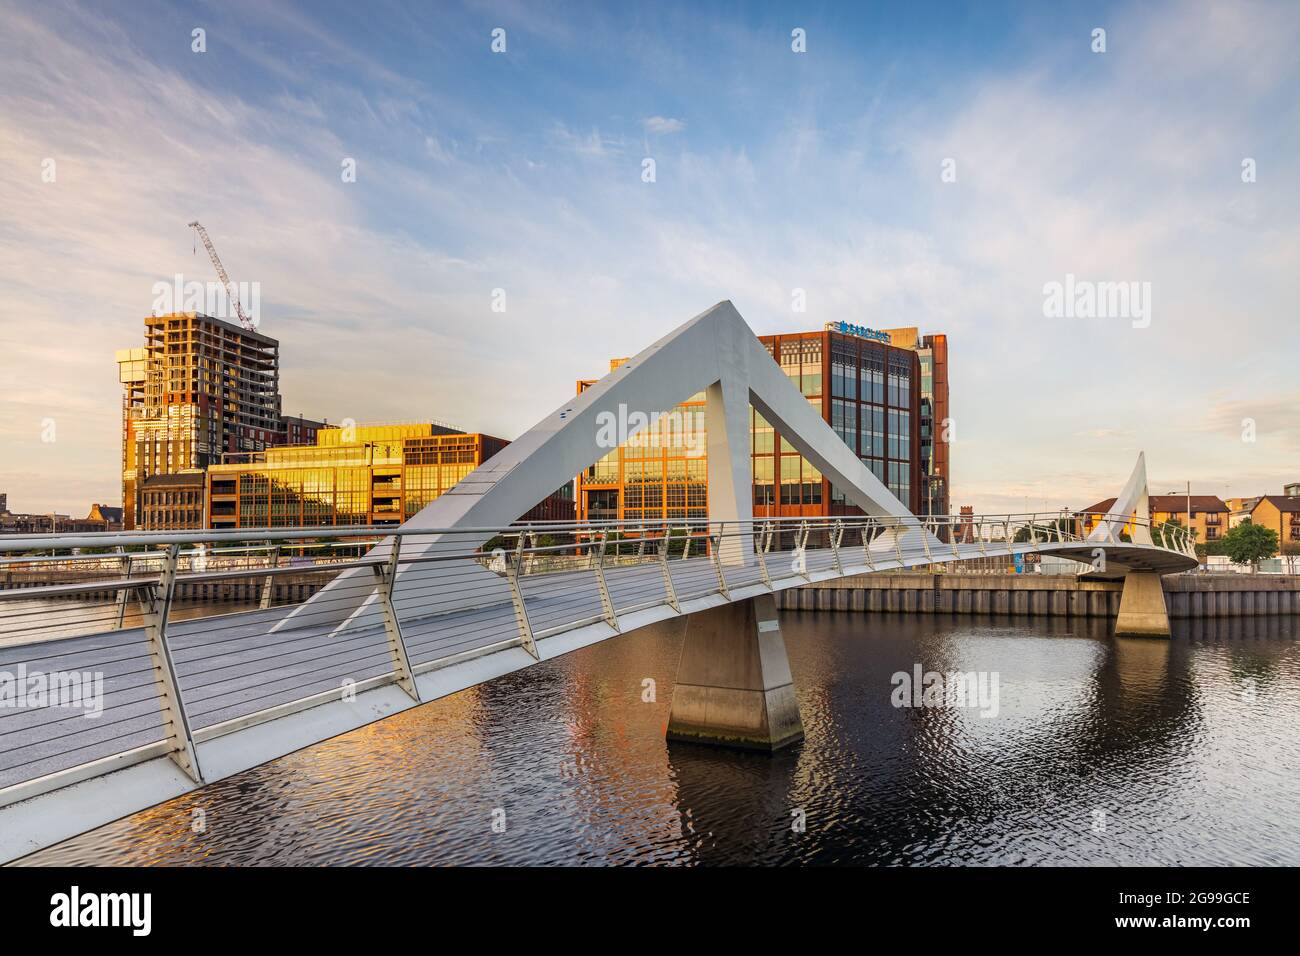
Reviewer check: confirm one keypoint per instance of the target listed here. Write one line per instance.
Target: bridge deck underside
(235, 665)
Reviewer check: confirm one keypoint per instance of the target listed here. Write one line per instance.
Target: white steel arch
(715, 352)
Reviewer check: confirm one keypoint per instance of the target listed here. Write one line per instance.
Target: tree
(1250, 544)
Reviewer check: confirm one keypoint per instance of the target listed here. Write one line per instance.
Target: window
(900, 386)
(844, 419)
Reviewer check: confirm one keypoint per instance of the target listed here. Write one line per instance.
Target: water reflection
(1103, 750)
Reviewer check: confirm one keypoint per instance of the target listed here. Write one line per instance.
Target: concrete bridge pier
(734, 687)
(1142, 610)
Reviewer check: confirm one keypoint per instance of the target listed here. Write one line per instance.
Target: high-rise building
(199, 388)
(359, 475)
(866, 389)
(932, 350)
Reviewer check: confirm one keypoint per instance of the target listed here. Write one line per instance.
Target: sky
(931, 165)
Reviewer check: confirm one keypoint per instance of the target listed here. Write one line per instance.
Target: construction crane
(244, 320)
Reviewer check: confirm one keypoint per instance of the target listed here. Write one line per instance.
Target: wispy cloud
(522, 172)
(663, 125)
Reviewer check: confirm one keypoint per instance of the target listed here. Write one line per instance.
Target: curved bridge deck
(418, 615)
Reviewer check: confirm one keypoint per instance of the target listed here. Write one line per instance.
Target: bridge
(125, 682)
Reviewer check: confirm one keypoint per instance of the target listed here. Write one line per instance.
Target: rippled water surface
(1103, 751)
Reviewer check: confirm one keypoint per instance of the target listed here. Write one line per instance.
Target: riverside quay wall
(1054, 595)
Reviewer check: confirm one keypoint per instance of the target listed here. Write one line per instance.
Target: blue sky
(775, 171)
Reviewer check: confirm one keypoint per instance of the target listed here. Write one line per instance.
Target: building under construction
(200, 387)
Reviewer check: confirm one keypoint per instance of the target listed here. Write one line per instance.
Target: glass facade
(932, 354)
(660, 473)
(357, 476)
(867, 391)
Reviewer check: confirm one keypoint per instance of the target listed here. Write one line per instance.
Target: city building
(32, 523)
(966, 530)
(100, 518)
(1207, 515)
(1280, 513)
(936, 416)
(358, 475)
(865, 388)
(200, 387)
(170, 502)
(104, 518)
(1239, 509)
(296, 430)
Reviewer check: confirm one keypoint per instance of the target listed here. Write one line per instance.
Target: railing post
(175, 721)
(670, 592)
(866, 544)
(762, 557)
(925, 541)
(898, 544)
(953, 535)
(517, 598)
(386, 577)
(715, 543)
(640, 548)
(121, 595)
(837, 530)
(268, 585)
(606, 602)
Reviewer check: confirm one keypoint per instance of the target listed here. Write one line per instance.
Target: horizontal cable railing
(117, 648)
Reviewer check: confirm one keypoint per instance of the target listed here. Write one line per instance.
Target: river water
(1101, 751)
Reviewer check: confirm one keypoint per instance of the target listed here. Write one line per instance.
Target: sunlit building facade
(936, 416)
(356, 475)
(866, 389)
(200, 388)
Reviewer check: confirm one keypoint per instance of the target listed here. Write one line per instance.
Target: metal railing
(172, 639)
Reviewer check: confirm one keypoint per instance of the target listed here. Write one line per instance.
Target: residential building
(1239, 509)
(296, 430)
(358, 475)
(866, 389)
(1280, 513)
(199, 388)
(1207, 515)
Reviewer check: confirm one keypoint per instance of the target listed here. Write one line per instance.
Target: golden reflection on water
(1158, 736)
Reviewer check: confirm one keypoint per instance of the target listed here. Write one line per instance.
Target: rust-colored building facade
(864, 387)
(936, 417)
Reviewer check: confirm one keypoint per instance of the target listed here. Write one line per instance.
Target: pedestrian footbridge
(128, 678)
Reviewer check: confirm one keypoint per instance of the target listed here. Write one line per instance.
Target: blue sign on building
(861, 331)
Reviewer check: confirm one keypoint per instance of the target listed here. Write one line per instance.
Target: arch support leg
(734, 687)
(1142, 610)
